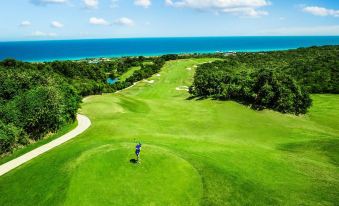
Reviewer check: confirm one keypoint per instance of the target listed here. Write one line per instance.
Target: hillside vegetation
(279, 80)
(33, 102)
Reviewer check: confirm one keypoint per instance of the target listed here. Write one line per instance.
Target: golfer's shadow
(133, 161)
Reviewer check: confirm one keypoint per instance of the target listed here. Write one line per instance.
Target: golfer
(137, 151)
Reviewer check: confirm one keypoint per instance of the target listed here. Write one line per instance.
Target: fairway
(195, 152)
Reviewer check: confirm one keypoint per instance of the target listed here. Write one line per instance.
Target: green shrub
(9, 134)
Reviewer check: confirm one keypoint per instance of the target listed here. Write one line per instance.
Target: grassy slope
(195, 152)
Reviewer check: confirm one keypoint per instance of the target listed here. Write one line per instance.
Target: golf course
(194, 151)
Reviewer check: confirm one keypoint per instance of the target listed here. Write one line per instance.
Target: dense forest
(280, 80)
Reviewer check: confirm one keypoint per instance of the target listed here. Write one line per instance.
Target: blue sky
(77, 19)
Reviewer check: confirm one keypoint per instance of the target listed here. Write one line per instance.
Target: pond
(112, 81)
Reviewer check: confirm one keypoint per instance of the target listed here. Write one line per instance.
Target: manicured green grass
(20, 151)
(127, 74)
(326, 110)
(195, 152)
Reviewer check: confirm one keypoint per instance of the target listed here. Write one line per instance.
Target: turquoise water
(112, 81)
(79, 49)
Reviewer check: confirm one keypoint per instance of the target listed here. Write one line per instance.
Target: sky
(87, 19)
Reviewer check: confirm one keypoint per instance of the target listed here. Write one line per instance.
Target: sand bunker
(149, 81)
(182, 88)
(130, 86)
(86, 98)
(189, 68)
(158, 75)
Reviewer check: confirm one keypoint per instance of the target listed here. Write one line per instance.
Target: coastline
(151, 55)
(82, 49)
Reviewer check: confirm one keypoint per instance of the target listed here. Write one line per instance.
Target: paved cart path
(83, 124)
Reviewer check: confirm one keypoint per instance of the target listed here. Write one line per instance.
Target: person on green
(137, 151)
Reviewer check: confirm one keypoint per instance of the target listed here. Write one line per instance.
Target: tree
(42, 109)
(8, 136)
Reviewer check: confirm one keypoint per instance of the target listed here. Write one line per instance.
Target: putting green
(106, 171)
(196, 152)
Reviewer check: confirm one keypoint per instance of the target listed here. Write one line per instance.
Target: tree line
(280, 80)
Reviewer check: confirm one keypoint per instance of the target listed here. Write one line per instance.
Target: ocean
(36, 51)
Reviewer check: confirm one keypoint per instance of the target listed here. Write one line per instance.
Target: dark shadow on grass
(190, 98)
(328, 147)
(215, 98)
(242, 102)
(133, 161)
(196, 98)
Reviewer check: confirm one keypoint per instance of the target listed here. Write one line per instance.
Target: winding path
(83, 124)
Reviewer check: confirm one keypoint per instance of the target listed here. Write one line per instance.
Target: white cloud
(239, 7)
(169, 2)
(245, 11)
(143, 3)
(43, 34)
(124, 21)
(25, 23)
(57, 24)
(91, 4)
(46, 2)
(98, 21)
(321, 11)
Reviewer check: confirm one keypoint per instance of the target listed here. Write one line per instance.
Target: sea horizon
(160, 37)
(77, 49)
